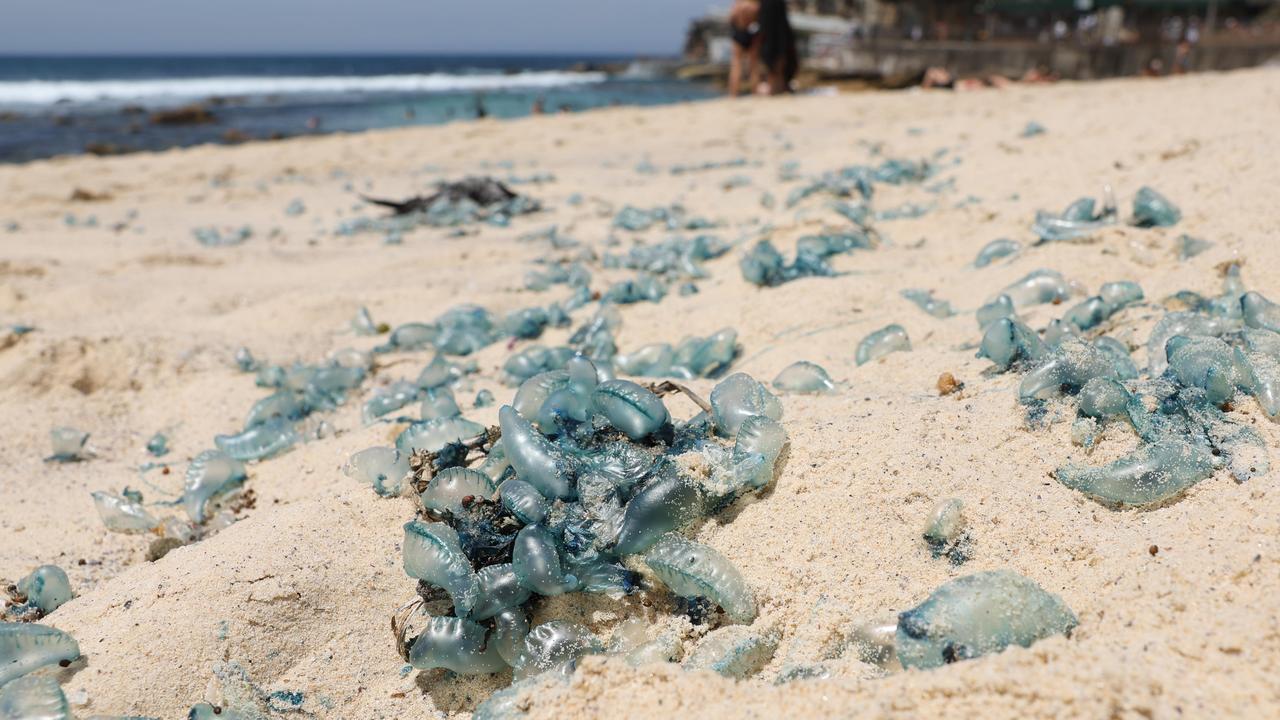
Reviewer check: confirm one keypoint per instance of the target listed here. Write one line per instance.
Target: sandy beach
(137, 325)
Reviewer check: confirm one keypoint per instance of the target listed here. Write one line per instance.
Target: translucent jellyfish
(506, 704)
(876, 643)
(259, 442)
(205, 711)
(245, 360)
(598, 576)
(555, 647)
(1260, 312)
(432, 552)
(500, 589)
(1190, 324)
(1259, 367)
(524, 501)
(535, 459)
(889, 339)
(734, 651)
(433, 435)
(510, 629)
(410, 336)
(739, 397)
(27, 646)
(1000, 307)
(495, 464)
(351, 358)
(765, 266)
(1057, 331)
(1189, 247)
(1206, 363)
(584, 376)
(1150, 475)
(120, 514)
(595, 338)
(158, 445)
(270, 376)
(532, 398)
(1087, 314)
(705, 356)
(656, 360)
(805, 378)
(450, 488)
(1121, 293)
(210, 475)
(538, 564)
(437, 372)
(945, 526)
(1032, 129)
(47, 588)
(68, 444)
(527, 323)
(363, 323)
(1007, 342)
(1078, 220)
(1073, 364)
(751, 464)
(33, 698)
(286, 404)
(455, 644)
(634, 410)
(694, 570)
(640, 289)
(327, 386)
(464, 329)
(978, 615)
(666, 503)
(570, 403)
(995, 250)
(925, 300)
(1151, 209)
(1243, 448)
(1037, 287)
(388, 400)
(1119, 355)
(1110, 299)
(386, 469)
(630, 639)
(1103, 398)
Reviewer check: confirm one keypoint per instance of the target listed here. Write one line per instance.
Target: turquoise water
(63, 105)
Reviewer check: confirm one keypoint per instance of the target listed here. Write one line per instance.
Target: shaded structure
(894, 41)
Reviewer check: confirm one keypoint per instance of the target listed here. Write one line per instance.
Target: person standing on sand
(744, 30)
(777, 47)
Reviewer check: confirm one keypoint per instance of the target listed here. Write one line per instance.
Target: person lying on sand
(940, 77)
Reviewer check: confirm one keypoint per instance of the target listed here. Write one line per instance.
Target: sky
(59, 27)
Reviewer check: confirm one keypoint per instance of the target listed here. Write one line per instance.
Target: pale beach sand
(136, 331)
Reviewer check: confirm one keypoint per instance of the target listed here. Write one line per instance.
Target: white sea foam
(45, 92)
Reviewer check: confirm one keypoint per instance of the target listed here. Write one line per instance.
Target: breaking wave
(46, 92)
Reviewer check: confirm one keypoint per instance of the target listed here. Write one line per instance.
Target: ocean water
(67, 105)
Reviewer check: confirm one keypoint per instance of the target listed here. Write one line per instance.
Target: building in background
(891, 40)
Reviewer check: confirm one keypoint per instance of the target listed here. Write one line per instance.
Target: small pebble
(161, 547)
(947, 384)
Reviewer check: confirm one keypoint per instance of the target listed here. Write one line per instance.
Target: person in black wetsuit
(744, 30)
(777, 46)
